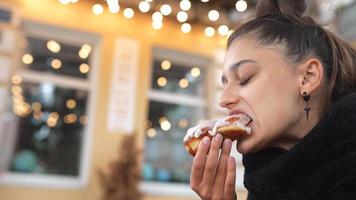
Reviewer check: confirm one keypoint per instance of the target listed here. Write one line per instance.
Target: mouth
(248, 120)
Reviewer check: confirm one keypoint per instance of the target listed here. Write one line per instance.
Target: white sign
(122, 100)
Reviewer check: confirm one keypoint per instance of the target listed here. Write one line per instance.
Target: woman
(297, 81)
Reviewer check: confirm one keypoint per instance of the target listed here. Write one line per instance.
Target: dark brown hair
(281, 22)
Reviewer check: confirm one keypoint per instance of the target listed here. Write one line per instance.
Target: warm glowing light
(36, 106)
(56, 64)
(223, 30)
(182, 16)
(113, 6)
(157, 16)
(87, 48)
(166, 64)
(97, 9)
(37, 115)
(83, 54)
(166, 9)
(53, 46)
(157, 25)
(17, 90)
(204, 1)
(195, 72)
(74, 1)
(64, 2)
(83, 119)
(183, 83)
(183, 123)
(186, 28)
(209, 31)
(165, 125)
(129, 13)
(185, 5)
(161, 81)
(213, 15)
(71, 103)
(27, 59)
(241, 5)
(84, 68)
(16, 79)
(70, 118)
(151, 132)
(144, 6)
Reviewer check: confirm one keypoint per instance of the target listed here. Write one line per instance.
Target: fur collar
(321, 166)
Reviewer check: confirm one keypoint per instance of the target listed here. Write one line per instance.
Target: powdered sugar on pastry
(211, 126)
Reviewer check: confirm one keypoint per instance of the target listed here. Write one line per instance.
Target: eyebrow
(237, 65)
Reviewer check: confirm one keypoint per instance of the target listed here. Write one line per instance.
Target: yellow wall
(108, 26)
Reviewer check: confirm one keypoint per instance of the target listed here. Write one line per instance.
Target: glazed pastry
(231, 127)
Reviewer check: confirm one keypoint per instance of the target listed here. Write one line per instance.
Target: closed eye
(243, 83)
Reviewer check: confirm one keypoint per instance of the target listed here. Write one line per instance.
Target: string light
(183, 83)
(16, 79)
(157, 25)
(195, 72)
(56, 63)
(186, 28)
(223, 30)
(71, 103)
(97, 9)
(166, 9)
(27, 59)
(166, 64)
(182, 16)
(151, 132)
(165, 125)
(113, 6)
(144, 6)
(161, 81)
(64, 2)
(209, 31)
(185, 5)
(129, 13)
(157, 16)
(53, 46)
(241, 5)
(84, 68)
(213, 15)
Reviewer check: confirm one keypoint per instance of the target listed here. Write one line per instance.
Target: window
(177, 100)
(51, 106)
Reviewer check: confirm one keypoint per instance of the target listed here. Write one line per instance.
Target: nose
(228, 99)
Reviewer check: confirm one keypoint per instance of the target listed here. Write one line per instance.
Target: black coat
(321, 166)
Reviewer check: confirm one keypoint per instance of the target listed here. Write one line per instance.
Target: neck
(296, 133)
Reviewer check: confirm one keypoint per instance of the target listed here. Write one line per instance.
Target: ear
(310, 75)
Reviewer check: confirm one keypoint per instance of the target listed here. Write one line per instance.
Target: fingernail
(206, 140)
(218, 137)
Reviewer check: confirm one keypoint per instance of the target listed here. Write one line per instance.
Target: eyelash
(243, 83)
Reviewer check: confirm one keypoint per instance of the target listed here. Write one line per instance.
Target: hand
(213, 176)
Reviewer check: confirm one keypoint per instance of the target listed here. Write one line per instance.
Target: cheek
(272, 101)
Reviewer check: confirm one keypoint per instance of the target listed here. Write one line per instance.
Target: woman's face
(259, 82)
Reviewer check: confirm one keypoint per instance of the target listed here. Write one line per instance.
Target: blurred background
(96, 95)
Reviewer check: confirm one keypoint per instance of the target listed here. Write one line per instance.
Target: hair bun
(292, 9)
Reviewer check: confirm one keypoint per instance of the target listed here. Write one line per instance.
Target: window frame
(184, 59)
(90, 85)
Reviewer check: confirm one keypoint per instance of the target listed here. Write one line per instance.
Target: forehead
(247, 48)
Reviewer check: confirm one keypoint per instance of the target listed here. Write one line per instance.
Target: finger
(222, 167)
(199, 162)
(212, 160)
(230, 177)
